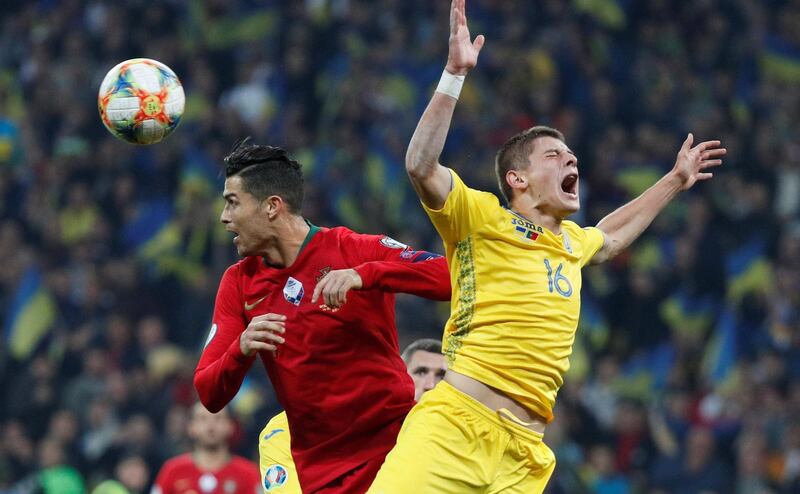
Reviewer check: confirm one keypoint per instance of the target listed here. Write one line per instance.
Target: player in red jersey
(426, 365)
(335, 367)
(209, 468)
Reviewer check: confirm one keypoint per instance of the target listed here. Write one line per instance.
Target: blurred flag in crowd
(30, 316)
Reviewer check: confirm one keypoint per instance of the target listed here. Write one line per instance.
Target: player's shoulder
(342, 234)
(488, 201)
(244, 465)
(334, 238)
(586, 239)
(235, 269)
(278, 421)
(575, 229)
(246, 267)
(335, 232)
(485, 197)
(179, 462)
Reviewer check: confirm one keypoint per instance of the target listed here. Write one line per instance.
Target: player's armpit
(432, 185)
(604, 254)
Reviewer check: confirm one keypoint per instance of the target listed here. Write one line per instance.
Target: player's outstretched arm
(423, 274)
(624, 225)
(430, 179)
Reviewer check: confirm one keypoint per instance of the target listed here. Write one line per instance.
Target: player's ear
(516, 180)
(272, 205)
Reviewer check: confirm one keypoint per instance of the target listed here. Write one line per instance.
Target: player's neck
(289, 238)
(537, 216)
(211, 459)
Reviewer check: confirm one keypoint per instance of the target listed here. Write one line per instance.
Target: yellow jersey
(516, 295)
(278, 473)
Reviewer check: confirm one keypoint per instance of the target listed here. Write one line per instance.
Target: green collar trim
(313, 229)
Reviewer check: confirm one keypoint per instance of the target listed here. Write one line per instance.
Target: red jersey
(339, 374)
(180, 475)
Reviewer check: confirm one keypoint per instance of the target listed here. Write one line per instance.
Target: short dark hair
(266, 171)
(425, 344)
(515, 154)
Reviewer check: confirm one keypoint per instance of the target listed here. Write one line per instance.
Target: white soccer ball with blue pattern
(141, 101)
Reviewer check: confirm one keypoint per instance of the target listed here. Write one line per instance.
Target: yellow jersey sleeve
(591, 242)
(278, 472)
(465, 211)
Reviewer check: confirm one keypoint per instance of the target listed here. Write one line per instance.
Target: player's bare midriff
(494, 399)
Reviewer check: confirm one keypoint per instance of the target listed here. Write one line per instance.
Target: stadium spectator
(131, 476)
(54, 475)
(695, 469)
(210, 467)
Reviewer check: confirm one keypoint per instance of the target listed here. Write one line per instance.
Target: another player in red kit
(335, 366)
(209, 468)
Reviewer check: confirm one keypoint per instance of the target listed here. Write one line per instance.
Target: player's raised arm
(430, 179)
(624, 225)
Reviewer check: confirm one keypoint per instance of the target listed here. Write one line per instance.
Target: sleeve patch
(392, 243)
(211, 335)
(418, 255)
(275, 476)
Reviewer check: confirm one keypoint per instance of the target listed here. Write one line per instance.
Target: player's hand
(263, 334)
(334, 287)
(693, 162)
(463, 53)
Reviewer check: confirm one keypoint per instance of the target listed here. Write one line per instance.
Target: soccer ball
(141, 101)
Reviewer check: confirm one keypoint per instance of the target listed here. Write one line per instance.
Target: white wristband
(450, 84)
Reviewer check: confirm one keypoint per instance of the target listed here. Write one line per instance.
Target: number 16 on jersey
(557, 281)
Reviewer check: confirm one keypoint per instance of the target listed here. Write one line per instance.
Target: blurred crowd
(686, 373)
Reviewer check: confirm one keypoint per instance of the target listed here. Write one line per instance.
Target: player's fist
(263, 334)
(334, 287)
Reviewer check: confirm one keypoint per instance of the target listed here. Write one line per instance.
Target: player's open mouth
(570, 184)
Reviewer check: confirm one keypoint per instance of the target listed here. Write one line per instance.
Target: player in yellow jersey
(516, 278)
(424, 363)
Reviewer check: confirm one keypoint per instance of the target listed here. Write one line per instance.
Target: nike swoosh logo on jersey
(272, 433)
(253, 305)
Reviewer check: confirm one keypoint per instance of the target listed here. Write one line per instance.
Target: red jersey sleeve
(428, 277)
(222, 366)
(391, 266)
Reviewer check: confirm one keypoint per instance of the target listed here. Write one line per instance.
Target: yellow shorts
(278, 473)
(453, 444)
